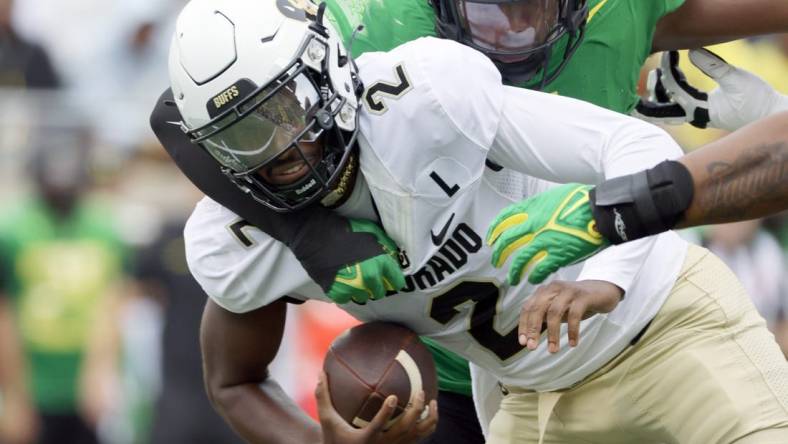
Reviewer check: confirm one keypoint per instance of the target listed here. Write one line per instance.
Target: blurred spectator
(108, 52)
(756, 258)
(183, 413)
(60, 277)
(23, 64)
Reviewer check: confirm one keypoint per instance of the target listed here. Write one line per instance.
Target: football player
(531, 42)
(741, 176)
(415, 156)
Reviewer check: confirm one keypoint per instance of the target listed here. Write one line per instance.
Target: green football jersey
(604, 71)
(55, 275)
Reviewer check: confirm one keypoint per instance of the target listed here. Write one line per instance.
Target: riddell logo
(226, 96)
(306, 187)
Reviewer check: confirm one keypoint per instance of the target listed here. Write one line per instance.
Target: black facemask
(519, 36)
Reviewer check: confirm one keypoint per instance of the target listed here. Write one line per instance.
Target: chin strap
(358, 85)
(317, 24)
(345, 184)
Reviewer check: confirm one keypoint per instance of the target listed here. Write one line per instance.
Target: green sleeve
(670, 5)
(390, 23)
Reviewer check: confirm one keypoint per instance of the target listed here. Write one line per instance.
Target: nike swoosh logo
(437, 240)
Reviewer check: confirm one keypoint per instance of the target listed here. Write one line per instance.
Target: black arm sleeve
(320, 239)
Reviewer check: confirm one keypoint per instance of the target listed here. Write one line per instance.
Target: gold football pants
(706, 371)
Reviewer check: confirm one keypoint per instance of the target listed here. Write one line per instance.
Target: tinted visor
(512, 27)
(280, 115)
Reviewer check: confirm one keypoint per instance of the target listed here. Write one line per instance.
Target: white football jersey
(434, 116)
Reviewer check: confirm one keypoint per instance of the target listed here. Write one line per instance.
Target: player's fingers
(666, 71)
(360, 295)
(522, 324)
(659, 91)
(526, 259)
(340, 293)
(680, 80)
(573, 318)
(427, 426)
(670, 113)
(329, 418)
(710, 63)
(544, 268)
(382, 417)
(407, 422)
(656, 87)
(665, 62)
(672, 77)
(389, 246)
(532, 316)
(511, 242)
(373, 281)
(659, 108)
(555, 316)
(671, 72)
(393, 275)
(507, 218)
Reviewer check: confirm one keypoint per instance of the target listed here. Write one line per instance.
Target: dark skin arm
(706, 22)
(237, 349)
(741, 176)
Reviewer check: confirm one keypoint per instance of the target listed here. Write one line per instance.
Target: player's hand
(741, 98)
(559, 302)
(407, 429)
(544, 233)
(372, 277)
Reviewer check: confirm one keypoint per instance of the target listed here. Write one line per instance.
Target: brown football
(369, 362)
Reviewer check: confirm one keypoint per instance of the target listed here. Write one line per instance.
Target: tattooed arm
(741, 176)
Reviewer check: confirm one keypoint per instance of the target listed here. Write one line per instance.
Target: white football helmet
(254, 78)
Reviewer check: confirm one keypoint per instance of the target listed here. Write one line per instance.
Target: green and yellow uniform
(604, 71)
(55, 274)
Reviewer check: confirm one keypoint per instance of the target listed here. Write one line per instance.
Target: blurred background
(94, 290)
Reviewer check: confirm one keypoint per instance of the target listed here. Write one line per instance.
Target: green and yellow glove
(546, 232)
(370, 278)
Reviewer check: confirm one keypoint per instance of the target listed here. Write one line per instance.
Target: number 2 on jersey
(372, 96)
(485, 297)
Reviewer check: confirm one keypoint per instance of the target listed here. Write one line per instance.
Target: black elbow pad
(642, 204)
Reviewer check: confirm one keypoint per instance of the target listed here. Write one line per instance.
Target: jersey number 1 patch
(373, 95)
